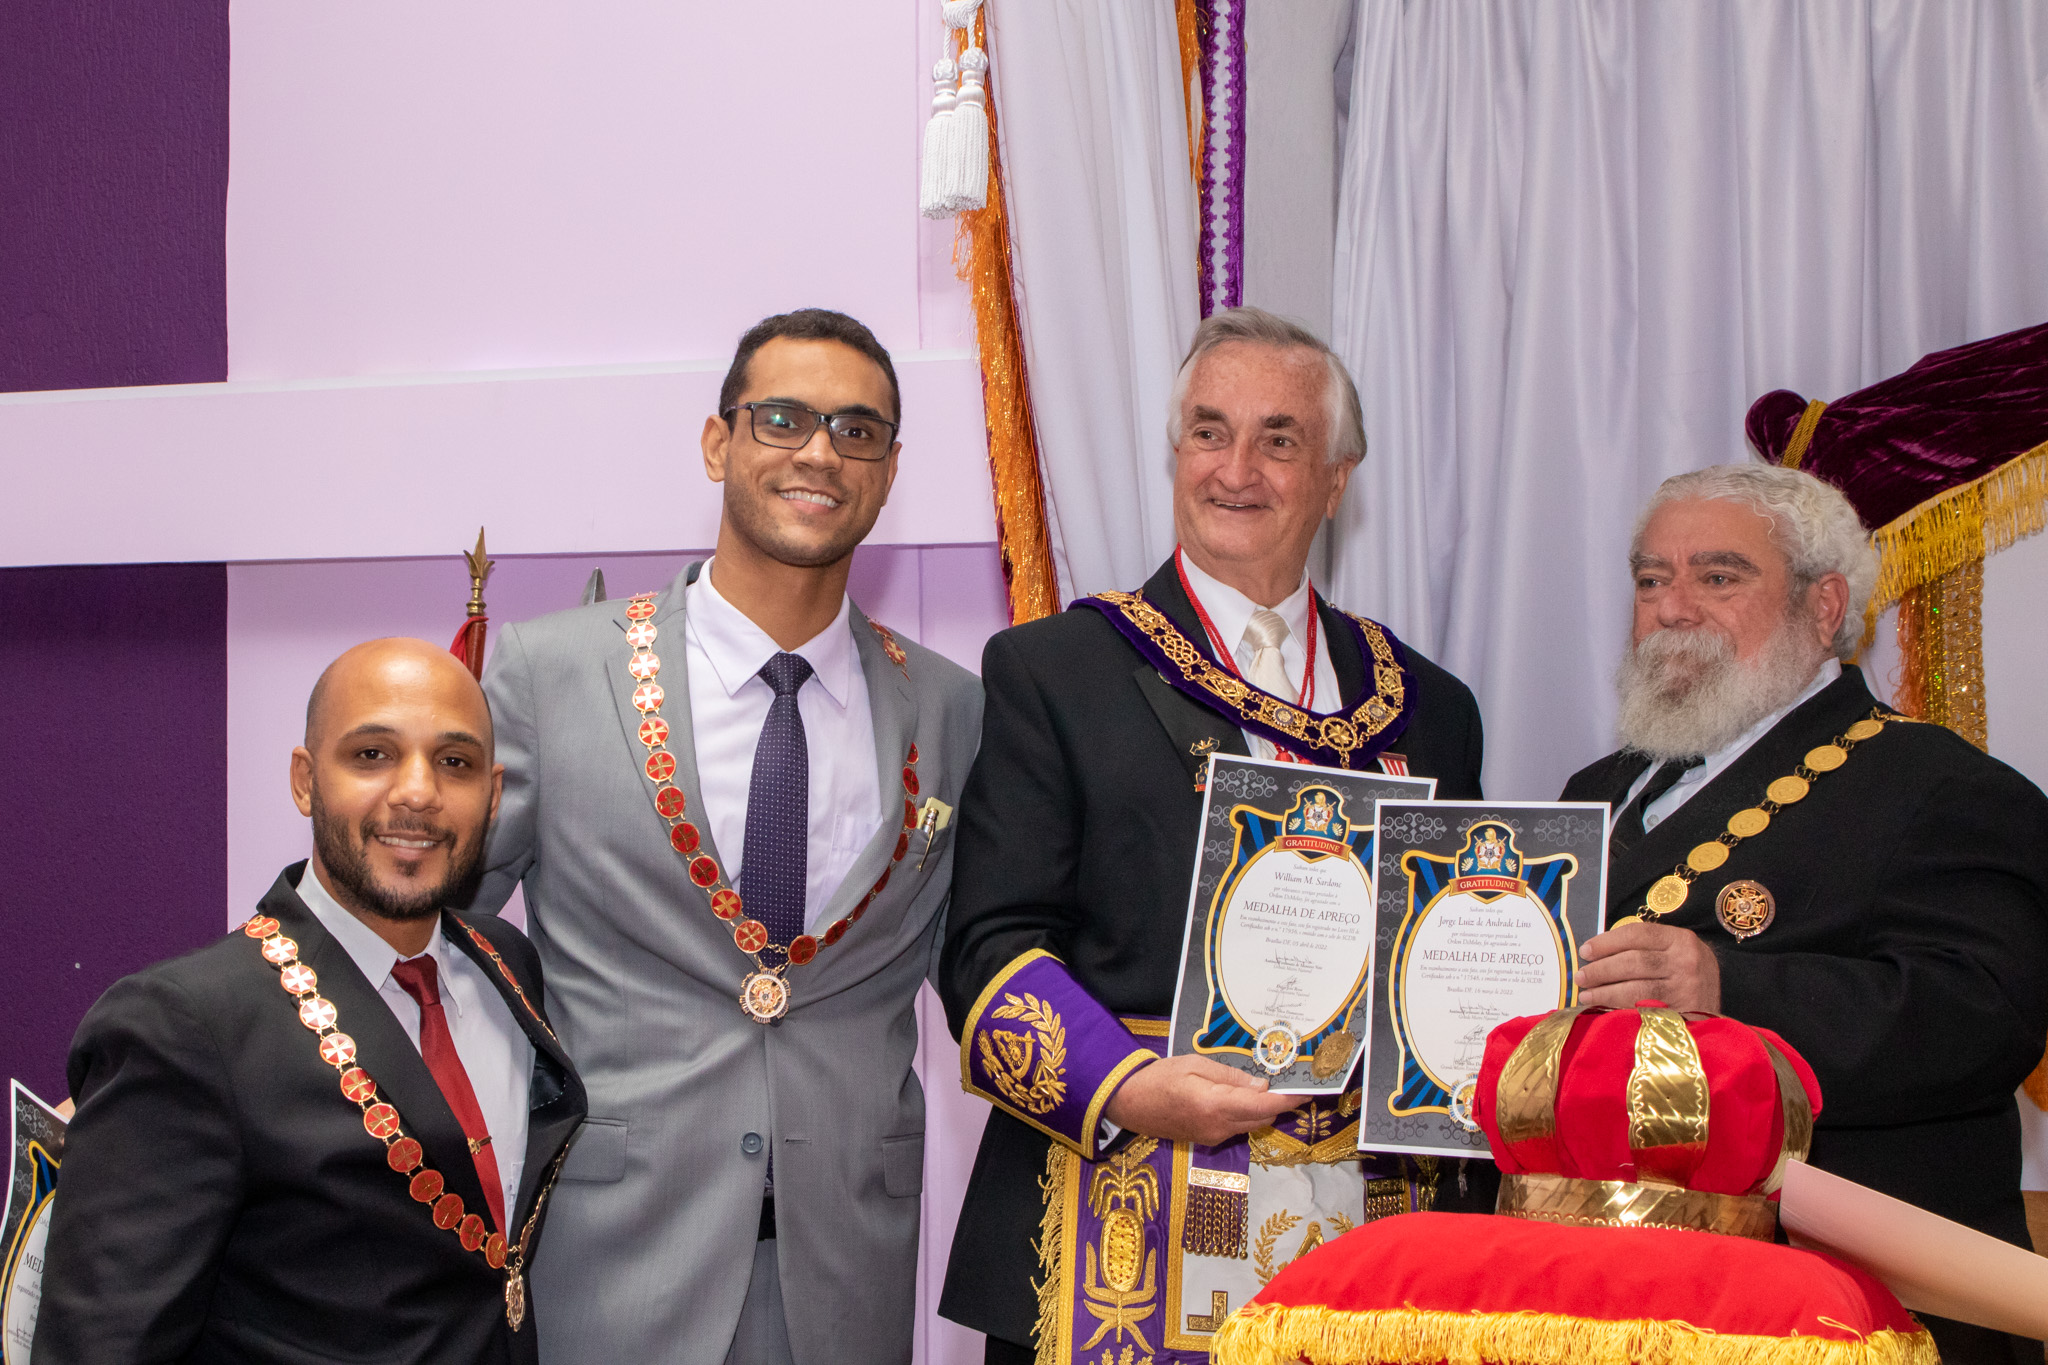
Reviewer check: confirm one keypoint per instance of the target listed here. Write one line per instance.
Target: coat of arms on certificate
(1279, 941)
(1481, 909)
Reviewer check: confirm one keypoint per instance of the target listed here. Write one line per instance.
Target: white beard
(1684, 693)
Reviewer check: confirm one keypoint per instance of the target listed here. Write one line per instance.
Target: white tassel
(969, 134)
(932, 200)
(959, 13)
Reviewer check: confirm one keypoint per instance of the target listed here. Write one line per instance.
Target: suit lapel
(670, 621)
(382, 1048)
(1741, 785)
(1345, 658)
(550, 1120)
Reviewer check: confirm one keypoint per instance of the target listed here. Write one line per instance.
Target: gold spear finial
(479, 573)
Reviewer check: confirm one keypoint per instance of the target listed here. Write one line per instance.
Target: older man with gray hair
(1077, 829)
(1790, 852)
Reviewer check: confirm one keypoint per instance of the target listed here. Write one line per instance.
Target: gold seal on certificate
(1280, 930)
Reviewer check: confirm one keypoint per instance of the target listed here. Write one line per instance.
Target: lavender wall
(113, 826)
(113, 192)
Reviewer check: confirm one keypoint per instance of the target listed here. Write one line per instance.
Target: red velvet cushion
(1516, 1292)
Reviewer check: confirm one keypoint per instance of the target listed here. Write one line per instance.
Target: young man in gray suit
(730, 803)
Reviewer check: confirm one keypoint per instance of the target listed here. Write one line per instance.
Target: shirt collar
(737, 648)
(365, 946)
(1231, 611)
(1729, 752)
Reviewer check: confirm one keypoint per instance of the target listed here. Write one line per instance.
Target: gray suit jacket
(651, 1235)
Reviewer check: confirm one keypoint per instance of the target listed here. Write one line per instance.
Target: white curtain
(1102, 226)
(1574, 241)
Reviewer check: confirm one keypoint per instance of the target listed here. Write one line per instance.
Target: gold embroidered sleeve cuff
(1040, 1046)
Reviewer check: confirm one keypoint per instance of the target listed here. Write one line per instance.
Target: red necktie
(421, 979)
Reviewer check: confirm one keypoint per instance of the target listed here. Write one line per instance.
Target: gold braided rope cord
(981, 255)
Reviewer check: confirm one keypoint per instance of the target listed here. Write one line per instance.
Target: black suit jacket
(1908, 961)
(1078, 828)
(220, 1200)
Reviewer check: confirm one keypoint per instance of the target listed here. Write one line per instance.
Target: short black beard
(348, 868)
(751, 519)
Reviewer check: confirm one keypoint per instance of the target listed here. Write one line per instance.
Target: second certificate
(1280, 920)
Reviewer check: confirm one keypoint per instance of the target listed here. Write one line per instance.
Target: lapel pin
(937, 815)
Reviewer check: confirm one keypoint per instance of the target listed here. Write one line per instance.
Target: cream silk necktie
(1264, 633)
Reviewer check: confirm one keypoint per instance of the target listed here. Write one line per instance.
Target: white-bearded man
(1873, 889)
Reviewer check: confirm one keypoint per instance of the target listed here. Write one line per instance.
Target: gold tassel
(1967, 522)
(1941, 653)
(1052, 1254)
(981, 254)
(1280, 1334)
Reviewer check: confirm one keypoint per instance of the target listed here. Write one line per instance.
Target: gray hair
(1813, 525)
(1261, 328)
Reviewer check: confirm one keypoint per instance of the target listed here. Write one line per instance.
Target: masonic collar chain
(381, 1120)
(1305, 699)
(1745, 908)
(764, 993)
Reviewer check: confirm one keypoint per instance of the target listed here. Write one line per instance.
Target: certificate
(37, 1145)
(1481, 911)
(1279, 941)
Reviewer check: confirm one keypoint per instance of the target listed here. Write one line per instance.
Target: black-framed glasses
(790, 426)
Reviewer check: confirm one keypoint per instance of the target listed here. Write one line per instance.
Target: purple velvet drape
(113, 192)
(1953, 417)
(113, 811)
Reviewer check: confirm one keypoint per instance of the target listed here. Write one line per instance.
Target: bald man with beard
(331, 1134)
(1804, 859)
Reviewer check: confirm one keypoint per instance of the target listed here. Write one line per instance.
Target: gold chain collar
(1668, 892)
(764, 993)
(381, 1120)
(1342, 732)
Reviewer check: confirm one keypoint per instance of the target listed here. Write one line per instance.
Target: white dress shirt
(1230, 611)
(1718, 762)
(729, 703)
(495, 1051)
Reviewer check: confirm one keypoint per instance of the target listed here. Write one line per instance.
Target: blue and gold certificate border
(1317, 827)
(1433, 876)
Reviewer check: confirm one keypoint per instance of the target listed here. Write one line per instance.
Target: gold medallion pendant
(1745, 908)
(764, 996)
(1333, 1054)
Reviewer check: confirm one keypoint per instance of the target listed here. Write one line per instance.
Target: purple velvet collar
(1348, 738)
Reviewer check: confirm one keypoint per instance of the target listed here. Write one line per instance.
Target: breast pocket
(903, 1165)
(598, 1152)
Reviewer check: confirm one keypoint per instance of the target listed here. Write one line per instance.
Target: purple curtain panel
(113, 192)
(113, 808)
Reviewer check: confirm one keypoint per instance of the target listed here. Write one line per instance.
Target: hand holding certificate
(1280, 933)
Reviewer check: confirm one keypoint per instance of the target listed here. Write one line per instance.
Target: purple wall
(113, 192)
(113, 803)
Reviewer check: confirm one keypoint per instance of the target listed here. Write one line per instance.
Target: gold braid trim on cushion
(1280, 1334)
(1625, 1204)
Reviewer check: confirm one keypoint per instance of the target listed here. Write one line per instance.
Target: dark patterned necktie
(1628, 826)
(775, 865)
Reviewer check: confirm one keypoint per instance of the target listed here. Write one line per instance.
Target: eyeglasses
(790, 426)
